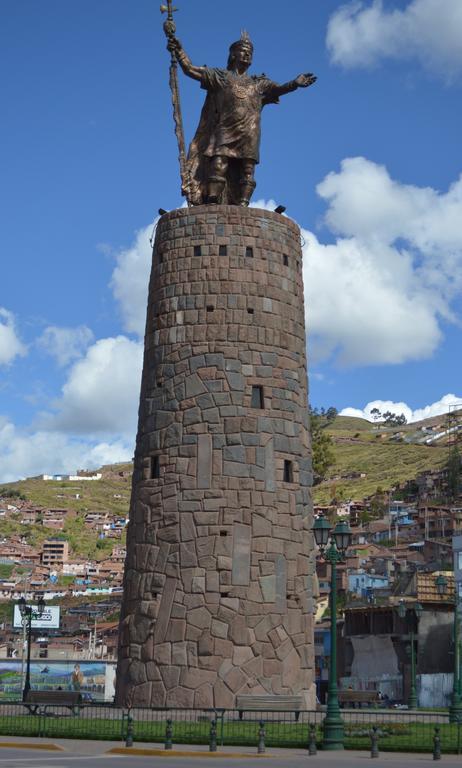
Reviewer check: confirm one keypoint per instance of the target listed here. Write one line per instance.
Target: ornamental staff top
(223, 154)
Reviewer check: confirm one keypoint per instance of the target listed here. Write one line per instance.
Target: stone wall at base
(217, 591)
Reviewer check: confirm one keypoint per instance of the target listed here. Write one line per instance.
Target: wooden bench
(37, 701)
(357, 698)
(248, 702)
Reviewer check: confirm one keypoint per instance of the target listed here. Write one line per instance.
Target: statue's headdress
(244, 40)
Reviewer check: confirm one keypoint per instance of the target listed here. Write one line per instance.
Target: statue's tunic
(229, 126)
(236, 102)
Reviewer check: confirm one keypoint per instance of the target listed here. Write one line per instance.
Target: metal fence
(396, 730)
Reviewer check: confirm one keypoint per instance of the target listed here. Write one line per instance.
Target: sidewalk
(243, 755)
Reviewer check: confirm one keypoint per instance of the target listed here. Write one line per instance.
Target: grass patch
(384, 463)
(405, 737)
(6, 570)
(149, 726)
(95, 495)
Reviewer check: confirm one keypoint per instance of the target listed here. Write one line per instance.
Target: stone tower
(217, 590)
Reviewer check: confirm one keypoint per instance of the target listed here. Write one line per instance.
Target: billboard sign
(48, 620)
(94, 679)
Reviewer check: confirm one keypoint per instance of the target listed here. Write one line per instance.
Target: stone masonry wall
(217, 591)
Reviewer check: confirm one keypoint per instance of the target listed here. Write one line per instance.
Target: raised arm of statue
(174, 45)
(302, 81)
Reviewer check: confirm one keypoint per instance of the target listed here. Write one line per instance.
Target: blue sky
(367, 161)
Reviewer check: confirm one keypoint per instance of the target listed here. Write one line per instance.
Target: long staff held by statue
(170, 29)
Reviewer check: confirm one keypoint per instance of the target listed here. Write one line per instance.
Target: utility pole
(333, 547)
(26, 578)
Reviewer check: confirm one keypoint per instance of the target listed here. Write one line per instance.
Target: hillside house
(29, 516)
(97, 520)
(55, 523)
(81, 475)
(378, 531)
(431, 484)
(55, 552)
(363, 583)
(407, 554)
(119, 553)
(111, 570)
(75, 568)
(19, 552)
(438, 521)
(357, 510)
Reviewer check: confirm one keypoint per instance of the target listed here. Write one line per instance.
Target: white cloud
(24, 454)
(362, 34)
(130, 281)
(377, 294)
(102, 390)
(65, 344)
(435, 409)
(266, 205)
(94, 422)
(364, 201)
(357, 313)
(10, 344)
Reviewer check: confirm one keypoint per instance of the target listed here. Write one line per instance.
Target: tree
(10, 493)
(331, 413)
(378, 503)
(375, 413)
(321, 445)
(393, 420)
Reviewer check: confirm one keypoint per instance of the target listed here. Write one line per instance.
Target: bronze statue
(225, 149)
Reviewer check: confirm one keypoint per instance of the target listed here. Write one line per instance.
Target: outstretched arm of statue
(174, 46)
(302, 81)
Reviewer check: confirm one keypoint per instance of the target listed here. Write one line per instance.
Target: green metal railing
(396, 730)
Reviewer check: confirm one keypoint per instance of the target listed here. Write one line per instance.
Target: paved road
(73, 758)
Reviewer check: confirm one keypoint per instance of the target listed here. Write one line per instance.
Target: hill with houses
(64, 536)
(73, 526)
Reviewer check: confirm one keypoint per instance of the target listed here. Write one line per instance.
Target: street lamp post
(403, 613)
(28, 612)
(333, 547)
(455, 709)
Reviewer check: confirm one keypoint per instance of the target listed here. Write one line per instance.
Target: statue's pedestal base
(217, 591)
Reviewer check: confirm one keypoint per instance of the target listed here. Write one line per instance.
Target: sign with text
(48, 620)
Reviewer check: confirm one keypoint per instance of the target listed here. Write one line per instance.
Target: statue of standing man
(225, 149)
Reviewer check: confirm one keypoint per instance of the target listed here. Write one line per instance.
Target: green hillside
(384, 457)
(111, 493)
